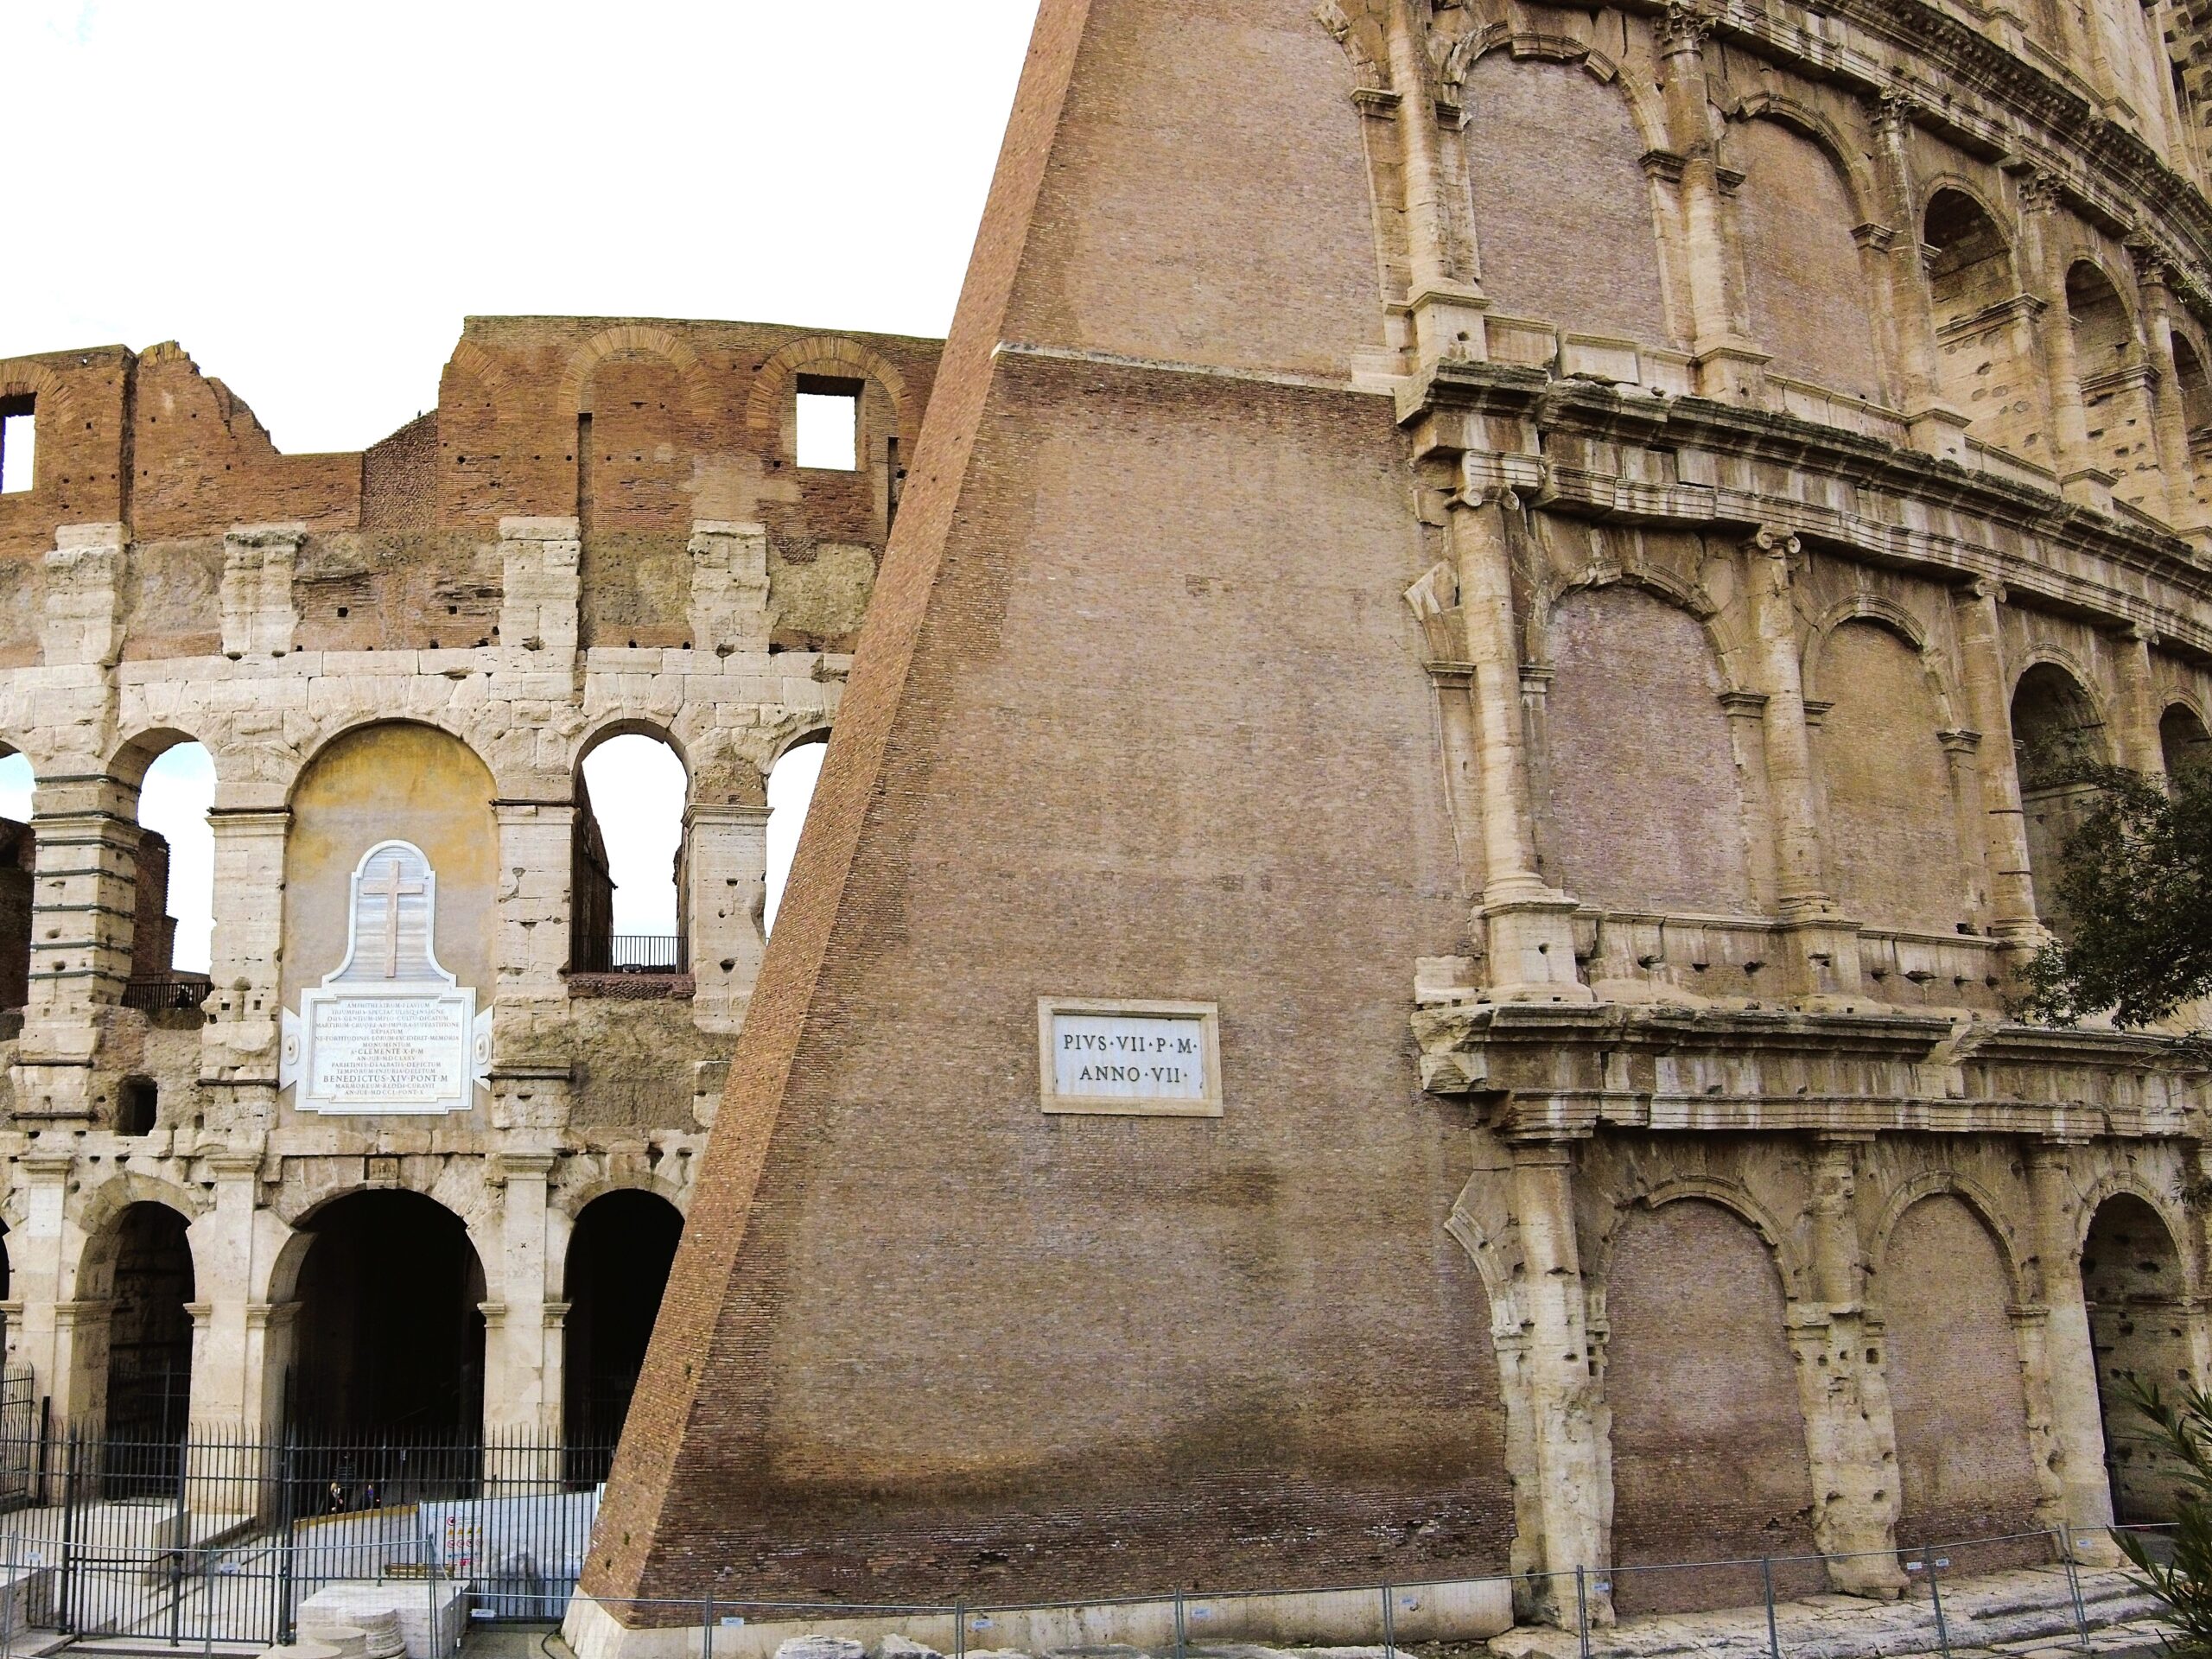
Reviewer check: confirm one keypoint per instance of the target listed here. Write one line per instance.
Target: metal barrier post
(1390, 1623)
(208, 1603)
(2074, 1588)
(1582, 1608)
(1179, 1622)
(959, 1630)
(1936, 1594)
(7, 1607)
(1773, 1630)
(707, 1629)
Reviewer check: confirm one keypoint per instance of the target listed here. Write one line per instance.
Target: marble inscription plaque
(388, 1031)
(1129, 1059)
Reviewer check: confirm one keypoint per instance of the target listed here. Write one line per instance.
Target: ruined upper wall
(639, 430)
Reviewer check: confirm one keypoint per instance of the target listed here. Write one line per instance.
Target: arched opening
(1965, 1466)
(390, 1325)
(2184, 744)
(2195, 386)
(2057, 737)
(2115, 393)
(627, 852)
(1595, 272)
(174, 910)
(1891, 828)
(149, 1326)
(18, 860)
(791, 793)
(1704, 1394)
(1808, 284)
(1633, 714)
(2104, 337)
(618, 1258)
(2132, 1280)
(1985, 362)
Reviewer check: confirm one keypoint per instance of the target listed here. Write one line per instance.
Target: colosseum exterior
(1524, 581)
(602, 529)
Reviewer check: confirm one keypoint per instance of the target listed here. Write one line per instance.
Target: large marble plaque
(389, 1031)
(1131, 1059)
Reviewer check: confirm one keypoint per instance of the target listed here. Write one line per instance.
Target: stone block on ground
(428, 1618)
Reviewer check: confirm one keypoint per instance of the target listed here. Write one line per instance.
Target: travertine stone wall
(402, 644)
(1769, 430)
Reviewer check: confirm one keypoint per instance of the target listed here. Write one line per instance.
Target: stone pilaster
(541, 586)
(85, 901)
(729, 587)
(38, 1265)
(238, 1045)
(2135, 710)
(518, 1345)
(81, 623)
(1850, 1438)
(1528, 921)
(259, 617)
(2169, 420)
(2069, 1361)
(1565, 1520)
(532, 1057)
(1730, 367)
(2044, 257)
(1446, 306)
(1823, 951)
(227, 1383)
(727, 864)
(2004, 823)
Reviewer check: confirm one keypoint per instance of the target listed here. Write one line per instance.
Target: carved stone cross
(392, 890)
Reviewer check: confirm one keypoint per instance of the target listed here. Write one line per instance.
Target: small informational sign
(1129, 1059)
(389, 1031)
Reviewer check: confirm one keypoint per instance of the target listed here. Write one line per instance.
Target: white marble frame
(1206, 1015)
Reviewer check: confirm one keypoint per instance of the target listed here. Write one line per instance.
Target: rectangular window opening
(829, 423)
(18, 444)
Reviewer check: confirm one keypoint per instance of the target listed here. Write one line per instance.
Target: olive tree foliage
(2135, 888)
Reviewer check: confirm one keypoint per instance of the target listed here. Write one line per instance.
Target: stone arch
(2184, 741)
(1985, 359)
(1986, 1208)
(643, 339)
(1883, 612)
(1890, 817)
(1530, 118)
(137, 1270)
(2138, 1282)
(1799, 211)
(2057, 730)
(471, 362)
(1856, 173)
(2103, 322)
(1701, 1383)
(1497, 1266)
(776, 380)
(1359, 26)
(620, 851)
(378, 781)
(1636, 694)
(1731, 1195)
(389, 1337)
(614, 1270)
(1945, 1282)
(628, 724)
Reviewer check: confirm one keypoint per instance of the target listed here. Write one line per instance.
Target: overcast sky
(310, 197)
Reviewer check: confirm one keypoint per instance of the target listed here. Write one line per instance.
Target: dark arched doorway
(149, 1326)
(391, 1324)
(618, 1258)
(2132, 1280)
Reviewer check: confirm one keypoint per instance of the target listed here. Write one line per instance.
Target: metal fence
(223, 1537)
(1970, 1593)
(645, 953)
(165, 993)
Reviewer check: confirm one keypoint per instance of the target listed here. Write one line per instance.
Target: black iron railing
(165, 993)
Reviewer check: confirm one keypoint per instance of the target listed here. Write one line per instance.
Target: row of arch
(1810, 269)
(628, 856)
(1704, 1384)
(388, 1291)
(1638, 708)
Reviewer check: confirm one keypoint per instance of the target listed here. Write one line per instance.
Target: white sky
(310, 197)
